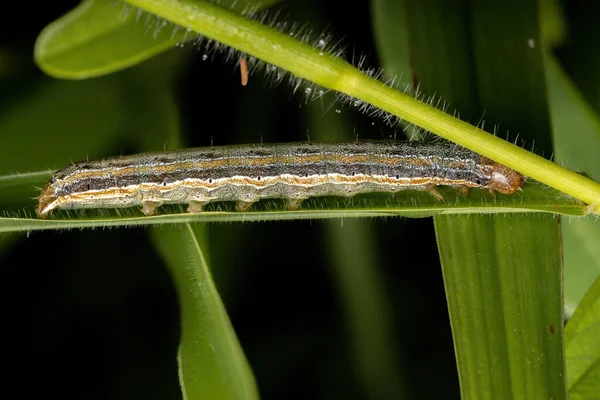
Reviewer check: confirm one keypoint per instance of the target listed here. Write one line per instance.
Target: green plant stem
(333, 72)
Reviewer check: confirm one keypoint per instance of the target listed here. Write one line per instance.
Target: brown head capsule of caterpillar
(505, 180)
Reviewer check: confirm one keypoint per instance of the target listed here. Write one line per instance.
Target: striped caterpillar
(248, 173)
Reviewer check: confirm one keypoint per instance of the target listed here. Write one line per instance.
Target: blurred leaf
(582, 347)
(437, 31)
(73, 121)
(358, 277)
(582, 258)
(576, 126)
(576, 135)
(99, 37)
(152, 111)
(580, 55)
(6, 241)
(369, 318)
(510, 74)
(552, 23)
(58, 121)
(392, 41)
(212, 364)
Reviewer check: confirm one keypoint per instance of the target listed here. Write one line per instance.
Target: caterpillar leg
(195, 206)
(434, 192)
(149, 207)
(464, 190)
(293, 204)
(243, 206)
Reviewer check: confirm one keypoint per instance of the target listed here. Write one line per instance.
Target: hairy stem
(329, 71)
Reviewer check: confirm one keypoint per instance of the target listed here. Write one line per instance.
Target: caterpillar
(248, 173)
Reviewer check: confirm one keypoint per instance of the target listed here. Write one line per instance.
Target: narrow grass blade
(576, 136)
(358, 277)
(506, 347)
(391, 39)
(501, 275)
(58, 121)
(582, 347)
(579, 54)
(212, 365)
(368, 315)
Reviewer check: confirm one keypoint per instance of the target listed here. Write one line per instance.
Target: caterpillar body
(248, 173)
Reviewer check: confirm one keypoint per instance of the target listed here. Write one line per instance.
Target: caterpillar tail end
(46, 201)
(44, 207)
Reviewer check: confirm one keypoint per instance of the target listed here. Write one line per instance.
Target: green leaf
(502, 92)
(576, 137)
(501, 275)
(579, 54)
(56, 123)
(552, 23)
(391, 38)
(212, 364)
(522, 295)
(582, 258)
(7, 241)
(439, 33)
(582, 347)
(99, 37)
(367, 309)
